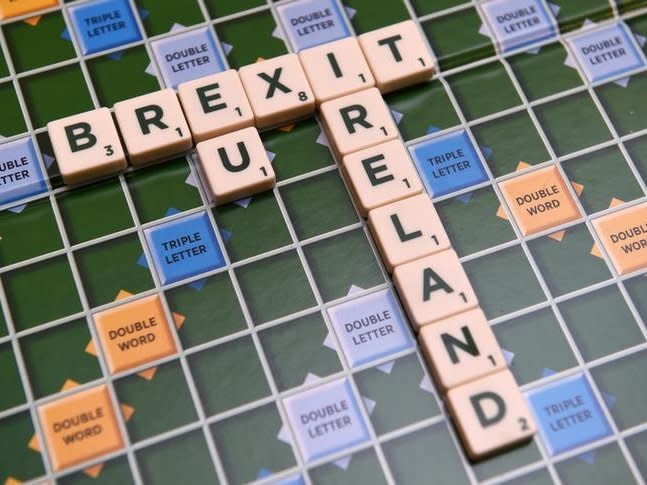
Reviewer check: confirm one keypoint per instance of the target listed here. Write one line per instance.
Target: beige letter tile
(358, 121)
(336, 69)
(406, 230)
(381, 174)
(86, 146)
(434, 287)
(398, 56)
(461, 349)
(235, 165)
(491, 414)
(278, 90)
(153, 126)
(215, 105)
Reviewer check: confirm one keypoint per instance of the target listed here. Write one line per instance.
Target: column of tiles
(464, 356)
(465, 359)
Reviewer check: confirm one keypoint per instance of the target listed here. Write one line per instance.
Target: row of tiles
(268, 93)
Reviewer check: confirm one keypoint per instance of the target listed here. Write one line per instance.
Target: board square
(19, 35)
(159, 463)
(165, 383)
(187, 56)
(539, 200)
(448, 163)
(20, 223)
(370, 327)
(624, 235)
(14, 8)
(309, 23)
(606, 52)
(568, 414)
(20, 172)
(517, 23)
(326, 419)
(134, 333)
(80, 427)
(267, 451)
(104, 24)
(184, 247)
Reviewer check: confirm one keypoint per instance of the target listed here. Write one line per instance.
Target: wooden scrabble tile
(358, 121)
(624, 235)
(380, 175)
(336, 69)
(80, 427)
(461, 349)
(278, 90)
(235, 166)
(215, 105)
(434, 287)
(539, 200)
(491, 414)
(134, 333)
(153, 126)
(406, 230)
(86, 146)
(398, 55)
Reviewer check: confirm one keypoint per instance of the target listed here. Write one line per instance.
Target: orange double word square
(80, 427)
(624, 235)
(134, 333)
(539, 200)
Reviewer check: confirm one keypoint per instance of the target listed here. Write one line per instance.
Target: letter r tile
(153, 126)
(326, 419)
(358, 121)
(624, 235)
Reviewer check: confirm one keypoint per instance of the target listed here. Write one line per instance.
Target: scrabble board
(286, 356)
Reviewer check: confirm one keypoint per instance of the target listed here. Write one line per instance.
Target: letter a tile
(434, 287)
